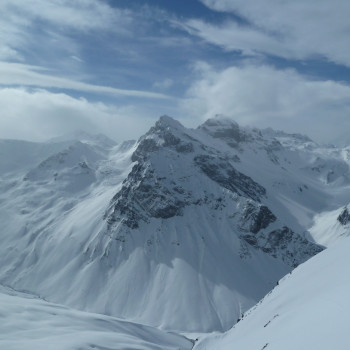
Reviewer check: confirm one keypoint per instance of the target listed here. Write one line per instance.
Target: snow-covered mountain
(309, 309)
(184, 229)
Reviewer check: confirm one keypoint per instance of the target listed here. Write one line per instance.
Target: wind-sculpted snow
(184, 229)
(330, 226)
(33, 324)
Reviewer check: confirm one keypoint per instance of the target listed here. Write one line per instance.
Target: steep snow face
(17, 157)
(307, 310)
(33, 324)
(185, 229)
(330, 226)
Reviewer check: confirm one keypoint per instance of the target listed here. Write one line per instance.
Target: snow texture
(309, 309)
(33, 324)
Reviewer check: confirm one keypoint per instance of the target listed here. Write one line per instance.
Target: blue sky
(115, 66)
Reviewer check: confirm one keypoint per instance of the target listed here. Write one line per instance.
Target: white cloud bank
(40, 115)
(262, 96)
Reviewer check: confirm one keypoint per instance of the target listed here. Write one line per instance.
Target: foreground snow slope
(308, 310)
(33, 324)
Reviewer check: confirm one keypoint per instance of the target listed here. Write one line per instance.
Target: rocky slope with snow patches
(184, 229)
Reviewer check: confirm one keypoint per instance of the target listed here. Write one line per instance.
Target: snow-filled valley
(123, 245)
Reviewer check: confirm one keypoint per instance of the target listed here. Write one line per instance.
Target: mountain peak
(222, 127)
(85, 137)
(220, 120)
(168, 122)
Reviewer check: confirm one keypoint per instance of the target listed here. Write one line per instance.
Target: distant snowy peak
(76, 154)
(85, 137)
(287, 138)
(226, 129)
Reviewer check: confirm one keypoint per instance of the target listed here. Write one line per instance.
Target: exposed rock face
(285, 244)
(225, 129)
(160, 136)
(144, 196)
(222, 172)
(145, 147)
(344, 217)
(256, 217)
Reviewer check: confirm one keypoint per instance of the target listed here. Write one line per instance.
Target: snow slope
(309, 309)
(330, 226)
(33, 324)
(183, 230)
(19, 156)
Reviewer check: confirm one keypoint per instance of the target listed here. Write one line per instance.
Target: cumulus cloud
(39, 115)
(291, 29)
(263, 96)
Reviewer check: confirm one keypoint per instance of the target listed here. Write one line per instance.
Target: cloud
(23, 23)
(291, 29)
(79, 14)
(39, 115)
(231, 36)
(163, 84)
(261, 95)
(25, 75)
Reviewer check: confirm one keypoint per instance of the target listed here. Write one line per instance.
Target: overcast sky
(115, 66)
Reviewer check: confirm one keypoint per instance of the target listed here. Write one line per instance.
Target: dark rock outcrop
(144, 196)
(256, 217)
(222, 172)
(285, 244)
(344, 217)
